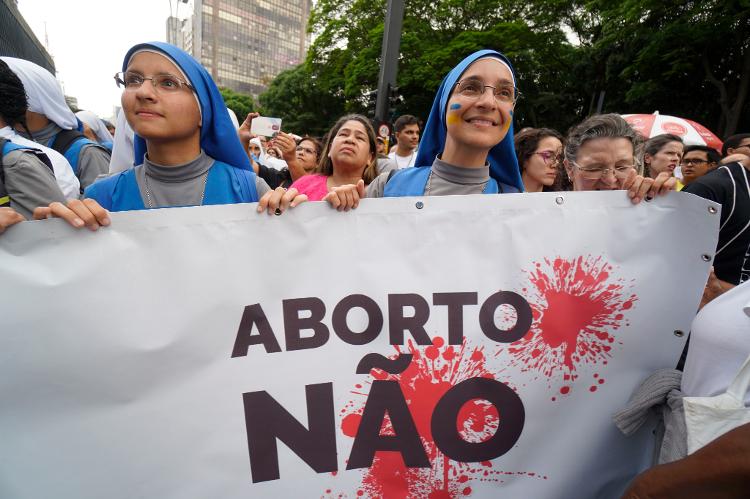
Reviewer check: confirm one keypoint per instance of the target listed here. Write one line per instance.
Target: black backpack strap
(65, 139)
(43, 158)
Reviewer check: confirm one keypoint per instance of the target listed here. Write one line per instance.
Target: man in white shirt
(407, 140)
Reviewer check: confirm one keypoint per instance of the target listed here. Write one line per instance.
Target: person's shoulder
(15, 156)
(383, 178)
(93, 149)
(106, 186)
(376, 189)
(714, 181)
(386, 164)
(19, 156)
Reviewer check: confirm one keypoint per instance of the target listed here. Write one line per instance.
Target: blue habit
(230, 179)
(224, 185)
(413, 182)
(502, 157)
(219, 138)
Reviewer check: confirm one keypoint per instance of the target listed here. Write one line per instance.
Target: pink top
(315, 186)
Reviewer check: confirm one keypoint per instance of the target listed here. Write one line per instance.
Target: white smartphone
(268, 127)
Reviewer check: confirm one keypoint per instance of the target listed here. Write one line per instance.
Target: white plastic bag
(708, 418)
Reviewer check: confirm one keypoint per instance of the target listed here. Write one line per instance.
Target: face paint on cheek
(453, 118)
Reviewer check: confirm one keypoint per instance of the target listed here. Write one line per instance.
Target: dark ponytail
(13, 100)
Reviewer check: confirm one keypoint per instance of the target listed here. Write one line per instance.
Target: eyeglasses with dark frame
(693, 161)
(620, 172)
(163, 83)
(473, 89)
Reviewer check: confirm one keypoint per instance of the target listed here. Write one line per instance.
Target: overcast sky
(89, 38)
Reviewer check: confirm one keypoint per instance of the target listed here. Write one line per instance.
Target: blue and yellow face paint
(452, 116)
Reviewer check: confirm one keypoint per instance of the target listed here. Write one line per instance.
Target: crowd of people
(176, 144)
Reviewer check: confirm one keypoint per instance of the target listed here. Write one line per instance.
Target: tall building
(244, 44)
(17, 39)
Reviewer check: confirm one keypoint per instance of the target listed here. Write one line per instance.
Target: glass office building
(17, 39)
(244, 43)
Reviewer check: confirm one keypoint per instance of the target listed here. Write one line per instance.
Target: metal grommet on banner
(679, 333)
(559, 200)
(419, 205)
(705, 257)
(277, 212)
(712, 209)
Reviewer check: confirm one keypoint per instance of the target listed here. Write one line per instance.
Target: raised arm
(246, 136)
(288, 147)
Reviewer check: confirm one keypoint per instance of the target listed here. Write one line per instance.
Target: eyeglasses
(163, 83)
(693, 161)
(474, 89)
(595, 173)
(306, 150)
(549, 157)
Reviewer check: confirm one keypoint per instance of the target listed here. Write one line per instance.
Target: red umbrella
(692, 133)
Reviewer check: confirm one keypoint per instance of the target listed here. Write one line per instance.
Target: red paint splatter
(350, 424)
(432, 372)
(576, 305)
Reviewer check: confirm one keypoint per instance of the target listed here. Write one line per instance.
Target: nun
(185, 147)
(467, 145)
(26, 175)
(14, 111)
(51, 123)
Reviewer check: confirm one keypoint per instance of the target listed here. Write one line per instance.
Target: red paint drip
(433, 371)
(576, 306)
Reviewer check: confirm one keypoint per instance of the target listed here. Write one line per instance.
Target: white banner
(417, 347)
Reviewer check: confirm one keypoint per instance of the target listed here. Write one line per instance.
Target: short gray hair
(600, 126)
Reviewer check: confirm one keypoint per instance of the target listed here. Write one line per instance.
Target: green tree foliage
(241, 104)
(686, 58)
(304, 106)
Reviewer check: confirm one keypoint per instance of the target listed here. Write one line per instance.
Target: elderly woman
(600, 155)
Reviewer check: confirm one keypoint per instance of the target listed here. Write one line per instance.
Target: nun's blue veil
(502, 157)
(218, 136)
